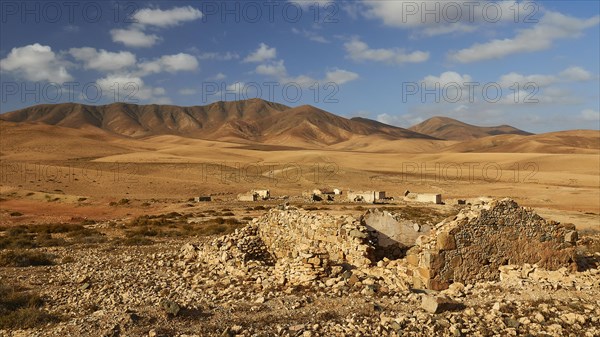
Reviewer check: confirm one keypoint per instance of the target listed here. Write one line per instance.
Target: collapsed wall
(474, 244)
(290, 234)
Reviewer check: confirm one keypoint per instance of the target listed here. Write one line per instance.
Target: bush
(135, 241)
(20, 309)
(25, 258)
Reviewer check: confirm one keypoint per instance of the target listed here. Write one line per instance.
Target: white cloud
(446, 78)
(263, 53)
(313, 36)
(307, 4)
(35, 62)
(169, 63)
(431, 18)
(278, 71)
(510, 79)
(360, 51)
(166, 18)
(552, 26)
(103, 60)
(571, 74)
(576, 74)
(275, 69)
(132, 88)
(227, 56)
(590, 115)
(404, 120)
(219, 77)
(133, 37)
(451, 84)
(340, 76)
(237, 87)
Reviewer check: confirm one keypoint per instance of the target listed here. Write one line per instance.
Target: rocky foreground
(162, 290)
(232, 285)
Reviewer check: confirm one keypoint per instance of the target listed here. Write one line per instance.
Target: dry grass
(175, 225)
(44, 235)
(21, 309)
(25, 258)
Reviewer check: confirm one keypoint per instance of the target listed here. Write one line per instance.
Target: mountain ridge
(451, 129)
(254, 120)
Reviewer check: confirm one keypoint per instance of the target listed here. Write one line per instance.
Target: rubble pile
(472, 245)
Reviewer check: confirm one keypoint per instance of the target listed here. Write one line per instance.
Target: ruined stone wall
(318, 239)
(471, 247)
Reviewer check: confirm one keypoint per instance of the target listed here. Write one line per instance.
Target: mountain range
(252, 120)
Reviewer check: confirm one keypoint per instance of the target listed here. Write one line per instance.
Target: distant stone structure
(423, 197)
(366, 196)
(470, 247)
(249, 196)
(262, 194)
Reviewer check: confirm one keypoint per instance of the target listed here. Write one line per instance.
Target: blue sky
(534, 65)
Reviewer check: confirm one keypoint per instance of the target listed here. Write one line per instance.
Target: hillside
(253, 120)
(452, 129)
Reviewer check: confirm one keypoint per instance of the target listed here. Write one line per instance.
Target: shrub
(25, 258)
(20, 309)
(135, 241)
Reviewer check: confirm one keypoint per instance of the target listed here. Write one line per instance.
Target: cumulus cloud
(227, 56)
(571, 74)
(311, 35)
(431, 18)
(359, 51)
(275, 69)
(446, 78)
(35, 62)
(132, 89)
(219, 77)
(167, 18)
(263, 53)
(312, 3)
(278, 71)
(510, 79)
(103, 60)
(134, 37)
(576, 74)
(340, 76)
(590, 115)
(551, 27)
(169, 63)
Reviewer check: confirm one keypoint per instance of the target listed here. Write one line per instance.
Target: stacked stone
(304, 269)
(235, 250)
(288, 234)
(471, 247)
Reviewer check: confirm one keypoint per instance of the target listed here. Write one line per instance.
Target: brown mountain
(452, 129)
(252, 120)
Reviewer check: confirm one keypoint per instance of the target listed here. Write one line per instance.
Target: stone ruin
(393, 233)
(298, 247)
(472, 246)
